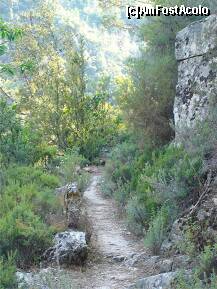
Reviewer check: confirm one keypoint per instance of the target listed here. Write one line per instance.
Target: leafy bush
(108, 187)
(208, 261)
(119, 168)
(143, 182)
(21, 143)
(23, 231)
(29, 185)
(204, 275)
(26, 199)
(70, 169)
(187, 245)
(137, 215)
(23, 175)
(157, 230)
(7, 273)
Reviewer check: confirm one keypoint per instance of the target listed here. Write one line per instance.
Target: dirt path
(112, 243)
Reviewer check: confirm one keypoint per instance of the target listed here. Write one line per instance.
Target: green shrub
(23, 175)
(122, 193)
(171, 175)
(23, 231)
(7, 273)
(194, 282)
(29, 185)
(137, 215)
(119, 168)
(208, 261)
(201, 139)
(204, 275)
(26, 199)
(108, 187)
(82, 181)
(143, 182)
(70, 170)
(157, 230)
(187, 245)
(20, 143)
(42, 202)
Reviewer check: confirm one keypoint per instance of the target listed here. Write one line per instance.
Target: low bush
(26, 199)
(20, 143)
(23, 175)
(7, 273)
(204, 275)
(119, 172)
(187, 244)
(208, 261)
(25, 232)
(138, 215)
(157, 230)
(29, 185)
(144, 181)
(70, 170)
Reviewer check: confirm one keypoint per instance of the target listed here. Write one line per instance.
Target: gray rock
(174, 263)
(36, 280)
(69, 188)
(69, 248)
(161, 281)
(181, 262)
(166, 246)
(197, 39)
(24, 279)
(45, 279)
(196, 51)
(165, 265)
(176, 234)
(138, 260)
(118, 259)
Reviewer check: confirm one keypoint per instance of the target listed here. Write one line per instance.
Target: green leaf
(3, 49)
(7, 69)
(27, 66)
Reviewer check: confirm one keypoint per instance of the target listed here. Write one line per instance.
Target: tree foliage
(53, 91)
(148, 101)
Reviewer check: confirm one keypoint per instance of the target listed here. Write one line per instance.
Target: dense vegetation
(152, 179)
(51, 122)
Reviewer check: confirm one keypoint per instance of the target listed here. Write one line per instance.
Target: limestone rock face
(197, 39)
(196, 53)
(69, 248)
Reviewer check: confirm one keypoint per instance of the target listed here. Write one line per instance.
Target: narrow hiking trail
(111, 242)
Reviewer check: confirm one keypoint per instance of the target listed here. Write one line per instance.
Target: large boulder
(69, 248)
(196, 53)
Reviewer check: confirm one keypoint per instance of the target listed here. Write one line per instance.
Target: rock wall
(196, 53)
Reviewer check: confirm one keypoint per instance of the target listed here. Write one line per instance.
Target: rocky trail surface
(115, 249)
(117, 260)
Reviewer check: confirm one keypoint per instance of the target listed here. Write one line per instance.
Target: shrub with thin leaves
(25, 232)
(70, 170)
(157, 231)
(7, 273)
